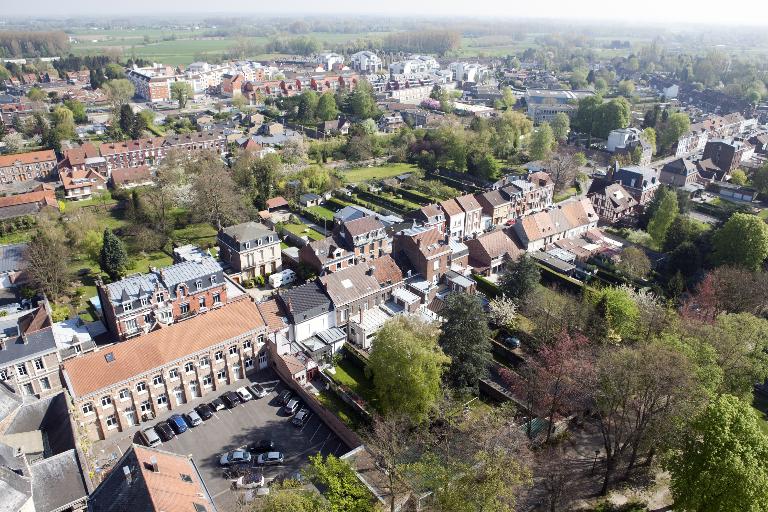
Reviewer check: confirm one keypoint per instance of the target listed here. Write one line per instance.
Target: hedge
(490, 289)
(569, 283)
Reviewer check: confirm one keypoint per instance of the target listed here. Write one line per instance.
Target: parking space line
(315, 433)
(326, 440)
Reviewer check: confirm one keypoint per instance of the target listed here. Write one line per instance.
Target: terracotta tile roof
(540, 178)
(117, 148)
(273, 315)
(386, 270)
(276, 202)
(72, 179)
(77, 156)
(537, 226)
(363, 225)
(349, 284)
(431, 210)
(579, 213)
(32, 157)
(92, 372)
(43, 195)
(468, 203)
(495, 244)
(123, 175)
(451, 207)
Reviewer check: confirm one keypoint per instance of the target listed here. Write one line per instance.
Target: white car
(235, 457)
(193, 419)
(244, 394)
(250, 480)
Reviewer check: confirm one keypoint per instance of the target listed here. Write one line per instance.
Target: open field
(376, 173)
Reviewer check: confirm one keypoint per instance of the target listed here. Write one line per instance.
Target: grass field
(352, 376)
(376, 173)
(322, 212)
(303, 230)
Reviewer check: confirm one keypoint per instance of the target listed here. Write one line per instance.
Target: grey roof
(132, 287)
(309, 197)
(12, 257)
(349, 213)
(9, 402)
(19, 210)
(248, 231)
(15, 490)
(189, 271)
(628, 177)
(332, 335)
(37, 342)
(306, 301)
(9, 459)
(57, 482)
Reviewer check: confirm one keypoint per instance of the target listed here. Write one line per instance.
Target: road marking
(216, 416)
(315, 433)
(326, 440)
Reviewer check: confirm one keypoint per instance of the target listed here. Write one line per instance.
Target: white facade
(366, 62)
(328, 60)
(456, 226)
(303, 330)
(468, 72)
(671, 92)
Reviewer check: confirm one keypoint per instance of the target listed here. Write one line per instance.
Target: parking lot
(247, 423)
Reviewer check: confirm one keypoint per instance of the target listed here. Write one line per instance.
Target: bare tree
(216, 197)
(48, 257)
(564, 167)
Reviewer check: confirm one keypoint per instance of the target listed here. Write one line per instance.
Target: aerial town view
(380, 257)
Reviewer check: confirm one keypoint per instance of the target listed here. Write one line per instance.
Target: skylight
(346, 283)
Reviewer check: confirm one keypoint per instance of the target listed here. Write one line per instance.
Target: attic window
(186, 478)
(109, 357)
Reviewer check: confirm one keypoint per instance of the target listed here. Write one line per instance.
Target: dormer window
(144, 301)
(213, 279)
(199, 285)
(261, 241)
(127, 306)
(247, 245)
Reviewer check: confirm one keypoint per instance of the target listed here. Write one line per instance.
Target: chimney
(371, 270)
(127, 474)
(153, 463)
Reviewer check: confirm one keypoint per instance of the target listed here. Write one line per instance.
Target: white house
(366, 62)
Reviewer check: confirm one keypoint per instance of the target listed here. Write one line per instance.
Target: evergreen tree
(114, 257)
(464, 338)
(520, 279)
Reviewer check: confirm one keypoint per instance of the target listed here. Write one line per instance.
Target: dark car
(178, 424)
(217, 404)
(512, 342)
(302, 417)
(284, 397)
(231, 399)
(263, 446)
(204, 411)
(165, 431)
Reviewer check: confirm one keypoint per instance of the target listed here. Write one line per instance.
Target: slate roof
(9, 402)
(15, 490)
(57, 481)
(132, 287)
(37, 343)
(642, 177)
(349, 284)
(494, 198)
(305, 301)
(12, 257)
(189, 271)
(681, 166)
(248, 231)
(90, 373)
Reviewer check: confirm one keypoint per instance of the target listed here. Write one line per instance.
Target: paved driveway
(247, 423)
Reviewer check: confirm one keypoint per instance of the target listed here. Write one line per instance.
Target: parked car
(262, 446)
(230, 399)
(178, 424)
(217, 404)
(150, 438)
(235, 457)
(165, 431)
(270, 459)
(258, 390)
(284, 397)
(251, 479)
(302, 417)
(291, 407)
(205, 411)
(193, 419)
(244, 394)
(512, 342)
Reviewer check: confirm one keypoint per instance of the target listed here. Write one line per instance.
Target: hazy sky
(747, 12)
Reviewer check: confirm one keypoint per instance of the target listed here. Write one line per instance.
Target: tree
(739, 177)
(564, 167)
(601, 85)
(741, 241)
(760, 180)
(464, 338)
(611, 115)
(217, 199)
(721, 463)
(36, 94)
(78, 111)
(119, 92)
(649, 136)
(520, 279)
(13, 142)
(663, 217)
(289, 495)
(502, 311)
(63, 122)
(362, 103)
(673, 128)
(326, 107)
(560, 124)
(308, 101)
(407, 365)
(341, 487)
(181, 92)
(113, 258)
(239, 102)
(390, 440)
(615, 313)
(634, 263)
(626, 88)
(542, 142)
(47, 254)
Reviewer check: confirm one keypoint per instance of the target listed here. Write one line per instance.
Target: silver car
(193, 419)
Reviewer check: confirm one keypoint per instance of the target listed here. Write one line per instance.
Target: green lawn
(322, 212)
(303, 230)
(17, 237)
(760, 404)
(565, 194)
(763, 214)
(74, 205)
(354, 378)
(337, 406)
(202, 234)
(376, 173)
(142, 263)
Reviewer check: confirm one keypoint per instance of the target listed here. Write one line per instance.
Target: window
(247, 245)
(184, 308)
(165, 315)
(131, 325)
(3, 374)
(106, 401)
(189, 367)
(219, 356)
(148, 318)
(247, 344)
(28, 389)
(162, 399)
(181, 290)
(141, 387)
(21, 369)
(144, 301)
(436, 265)
(87, 408)
(39, 365)
(216, 298)
(173, 373)
(204, 362)
(157, 380)
(199, 285)
(128, 306)
(111, 421)
(201, 301)
(261, 339)
(213, 279)
(124, 394)
(145, 406)
(249, 363)
(160, 297)
(221, 375)
(262, 358)
(233, 350)
(207, 381)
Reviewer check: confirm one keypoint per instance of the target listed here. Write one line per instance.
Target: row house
(679, 173)
(27, 166)
(455, 219)
(473, 214)
(611, 201)
(83, 157)
(495, 206)
(292, 87)
(567, 220)
(82, 184)
(308, 311)
(640, 182)
(431, 216)
(727, 155)
(366, 62)
(152, 84)
(489, 252)
(150, 151)
(366, 238)
(139, 303)
(43, 196)
(326, 255)
(120, 386)
(423, 250)
(130, 177)
(250, 249)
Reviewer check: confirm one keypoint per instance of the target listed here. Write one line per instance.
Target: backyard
(303, 230)
(376, 173)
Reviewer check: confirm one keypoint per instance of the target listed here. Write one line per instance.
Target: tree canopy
(741, 241)
(464, 338)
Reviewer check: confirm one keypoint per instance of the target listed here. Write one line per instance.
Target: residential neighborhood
(359, 262)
